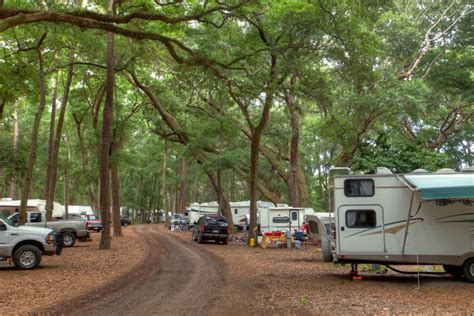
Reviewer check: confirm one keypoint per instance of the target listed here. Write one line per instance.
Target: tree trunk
(164, 178)
(183, 189)
(293, 196)
(105, 148)
(52, 124)
(16, 137)
(2, 106)
(34, 141)
(57, 142)
(116, 200)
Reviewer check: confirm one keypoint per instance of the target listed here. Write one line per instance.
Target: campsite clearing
(254, 281)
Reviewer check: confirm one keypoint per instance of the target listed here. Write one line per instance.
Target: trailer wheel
(469, 270)
(455, 271)
(27, 257)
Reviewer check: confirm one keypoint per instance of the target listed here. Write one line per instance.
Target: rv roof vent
(282, 205)
(383, 170)
(468, 169)
(445, 170)
(419, 171)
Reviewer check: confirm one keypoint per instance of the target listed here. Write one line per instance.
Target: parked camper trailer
(240, 210)
(282, 217)
(421, 217)
(8, 207)
(196, 210)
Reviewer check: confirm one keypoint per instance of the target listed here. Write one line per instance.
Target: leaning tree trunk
(105, 147)
(57, 142)
(34, 141)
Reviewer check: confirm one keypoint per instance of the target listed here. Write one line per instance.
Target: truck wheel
(27, 257)
(125, 224)
(69, 239)
(225, 241)
(199, 238)
(469, 270)
(455, 271)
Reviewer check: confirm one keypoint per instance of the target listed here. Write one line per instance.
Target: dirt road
(178, 279)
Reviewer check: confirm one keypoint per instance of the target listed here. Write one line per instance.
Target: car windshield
(94, 217)
(6, 220)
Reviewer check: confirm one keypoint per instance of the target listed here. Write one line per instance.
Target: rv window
(236, 211)
(361, 219)
(359, 187)
(281, 220)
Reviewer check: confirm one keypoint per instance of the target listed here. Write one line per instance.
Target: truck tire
(225, 241)
(199, 238)
(455, 271)
(469, 269)
(69, 239)
(27, 257)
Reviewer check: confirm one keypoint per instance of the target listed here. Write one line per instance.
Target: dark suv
(211, 227)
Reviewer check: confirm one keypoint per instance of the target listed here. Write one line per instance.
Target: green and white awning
(443, 186)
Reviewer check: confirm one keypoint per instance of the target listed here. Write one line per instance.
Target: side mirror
(3, 227)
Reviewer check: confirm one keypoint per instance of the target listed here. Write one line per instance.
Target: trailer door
(295, 219)
(361, 229)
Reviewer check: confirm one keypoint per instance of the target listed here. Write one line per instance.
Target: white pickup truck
(26, 245)
(71, 230)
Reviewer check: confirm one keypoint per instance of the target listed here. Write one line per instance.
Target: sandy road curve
(179, 279)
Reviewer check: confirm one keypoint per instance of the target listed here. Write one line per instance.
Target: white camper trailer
(196, 210)
(241, 210)
(8, 207)
(421, 217)
(282, 217)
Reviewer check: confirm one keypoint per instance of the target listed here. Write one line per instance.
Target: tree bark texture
(105, 146)
(293, 196)
(183, 188)
(52, 124)
(34, 140)
(57, 142)
(16, 137)
(116, 200)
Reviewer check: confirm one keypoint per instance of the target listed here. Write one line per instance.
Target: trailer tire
(469, 269)
(455, 271)
(326, 249)
(26, 257)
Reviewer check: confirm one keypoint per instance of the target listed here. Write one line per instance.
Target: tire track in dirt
(177, 278)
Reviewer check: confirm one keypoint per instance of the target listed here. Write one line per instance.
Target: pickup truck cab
(70, 230)
(26, 245)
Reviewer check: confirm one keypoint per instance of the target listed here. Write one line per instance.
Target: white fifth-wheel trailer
(417, 218)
